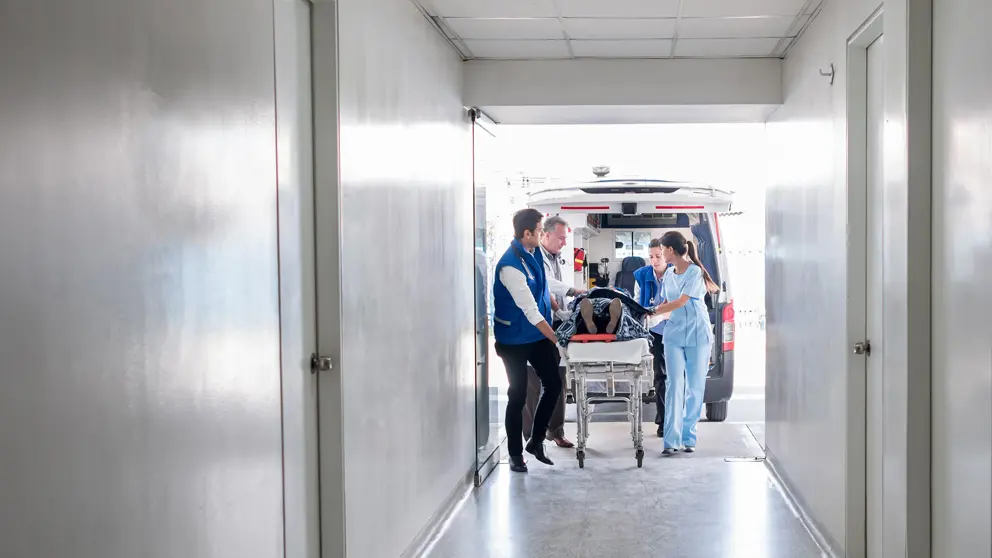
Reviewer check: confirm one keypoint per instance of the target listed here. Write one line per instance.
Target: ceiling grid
(612, 29)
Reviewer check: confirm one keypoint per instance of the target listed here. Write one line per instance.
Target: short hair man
(522, 327)
(554, 237)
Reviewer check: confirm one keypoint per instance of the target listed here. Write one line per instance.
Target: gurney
(592, 359)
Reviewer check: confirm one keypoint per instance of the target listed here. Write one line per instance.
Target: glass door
(490, 380)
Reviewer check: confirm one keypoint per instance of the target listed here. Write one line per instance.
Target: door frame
(294, 142)
(488, 455)
(327, 254)
(857, 280)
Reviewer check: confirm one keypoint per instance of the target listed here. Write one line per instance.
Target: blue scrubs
(688, 342)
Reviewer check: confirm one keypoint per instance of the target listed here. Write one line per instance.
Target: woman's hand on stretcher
(654, 311)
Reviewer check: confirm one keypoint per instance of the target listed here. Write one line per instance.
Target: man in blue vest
(522, 326)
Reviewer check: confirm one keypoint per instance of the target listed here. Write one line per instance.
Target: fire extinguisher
(580, 260)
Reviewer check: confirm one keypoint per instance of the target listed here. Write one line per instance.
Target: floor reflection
(698, 506)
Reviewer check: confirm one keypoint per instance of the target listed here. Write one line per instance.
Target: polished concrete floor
(718, 502)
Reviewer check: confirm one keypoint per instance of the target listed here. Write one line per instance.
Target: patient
(604, 310)
(599, 315)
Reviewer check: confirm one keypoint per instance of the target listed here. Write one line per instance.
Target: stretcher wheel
(639, 455)
(581, 455)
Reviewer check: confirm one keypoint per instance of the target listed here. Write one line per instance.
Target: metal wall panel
(962, 266)
(810, 390)
(139, 325)
(407, 274)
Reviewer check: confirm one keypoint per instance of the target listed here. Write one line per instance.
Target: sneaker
(689, 449)
(669, 452)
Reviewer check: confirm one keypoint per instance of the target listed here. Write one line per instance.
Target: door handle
(862, 348)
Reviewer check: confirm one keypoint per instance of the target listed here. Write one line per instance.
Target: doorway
(866, 299)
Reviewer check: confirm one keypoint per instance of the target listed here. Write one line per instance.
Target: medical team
(673, 287)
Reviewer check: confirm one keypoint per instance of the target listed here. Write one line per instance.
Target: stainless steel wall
(139, 325)
(407, 274)
(962, 266)
(809, 395)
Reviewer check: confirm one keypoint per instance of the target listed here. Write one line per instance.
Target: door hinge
(863, 348)
(320, 363)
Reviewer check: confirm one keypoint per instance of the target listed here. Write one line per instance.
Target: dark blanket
(631, 320)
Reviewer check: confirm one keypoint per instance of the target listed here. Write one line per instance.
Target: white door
(294, 117)
(874, 302)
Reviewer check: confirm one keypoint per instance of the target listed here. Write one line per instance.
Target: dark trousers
(556, 428)
(543, 356)
(658, 351)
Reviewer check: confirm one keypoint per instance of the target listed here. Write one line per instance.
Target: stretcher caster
(639, 455)
(581, 455)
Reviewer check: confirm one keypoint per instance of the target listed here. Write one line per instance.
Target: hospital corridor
(495, 279)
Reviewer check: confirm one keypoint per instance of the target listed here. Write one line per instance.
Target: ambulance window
(641, 241)
(624, 244)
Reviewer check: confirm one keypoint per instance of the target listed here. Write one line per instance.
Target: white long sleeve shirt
(516, 283)
(559, 290)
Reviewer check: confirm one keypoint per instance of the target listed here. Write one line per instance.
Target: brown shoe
(585, 310)
(563, 442)
(615, 313)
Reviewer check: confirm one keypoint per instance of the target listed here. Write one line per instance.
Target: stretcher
(594, 359)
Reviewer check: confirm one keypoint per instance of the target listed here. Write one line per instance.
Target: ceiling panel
(661, 48)
(738, 8)
(491, 8)
(584, 28)
(505, 28)
(718, 48)
(518, 50)
(618, 8)
(735, 27)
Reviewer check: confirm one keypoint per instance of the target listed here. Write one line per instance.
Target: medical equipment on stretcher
(593, 359)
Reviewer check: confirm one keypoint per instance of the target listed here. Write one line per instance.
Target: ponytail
(711, 285)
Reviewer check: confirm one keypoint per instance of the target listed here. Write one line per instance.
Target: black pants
(658, 350)
(556, 428)
(543, 356)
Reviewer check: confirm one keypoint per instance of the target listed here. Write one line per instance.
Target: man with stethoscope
(554, 236)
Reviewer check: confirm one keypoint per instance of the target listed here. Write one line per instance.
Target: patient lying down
(605, 320)
(604, 311)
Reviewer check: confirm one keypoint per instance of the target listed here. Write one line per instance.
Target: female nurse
(688, 339)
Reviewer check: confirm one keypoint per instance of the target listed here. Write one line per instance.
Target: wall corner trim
(438, 523)
(827, 545)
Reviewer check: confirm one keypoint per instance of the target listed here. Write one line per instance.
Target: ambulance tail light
(728, 327)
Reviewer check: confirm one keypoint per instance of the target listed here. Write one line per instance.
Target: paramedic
(647, 293)
(554, 236)
(522, 327)
(688, 340)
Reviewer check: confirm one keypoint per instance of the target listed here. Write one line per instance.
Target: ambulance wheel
(716, 412)
(640, 458)
(582, 458)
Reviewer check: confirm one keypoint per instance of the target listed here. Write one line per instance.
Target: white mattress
(627, 352)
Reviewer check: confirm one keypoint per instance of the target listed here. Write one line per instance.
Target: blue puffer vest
(648, 283)
(510, 325)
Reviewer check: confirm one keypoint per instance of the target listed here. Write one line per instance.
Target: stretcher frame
(581, 374)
